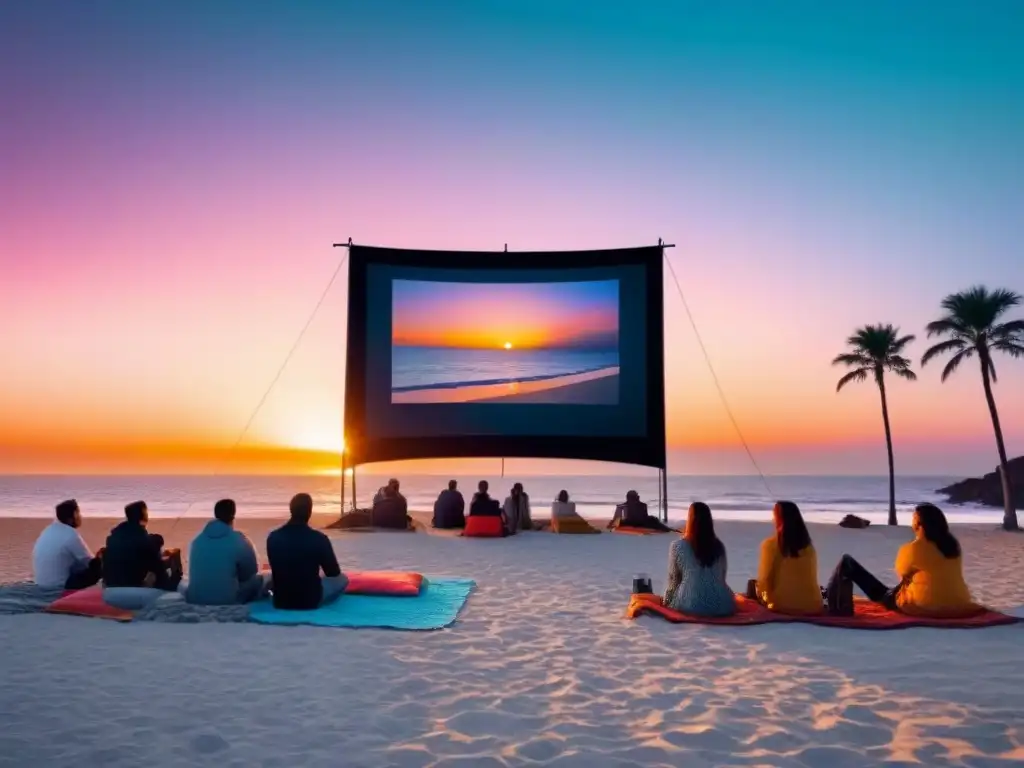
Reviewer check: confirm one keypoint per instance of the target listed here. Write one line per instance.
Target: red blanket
(867, 615)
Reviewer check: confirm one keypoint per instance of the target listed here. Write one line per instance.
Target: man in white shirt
(60, 557)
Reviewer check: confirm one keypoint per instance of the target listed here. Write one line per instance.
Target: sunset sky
(510, 315)
(174, 175)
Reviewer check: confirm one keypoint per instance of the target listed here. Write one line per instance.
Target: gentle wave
(489, 382)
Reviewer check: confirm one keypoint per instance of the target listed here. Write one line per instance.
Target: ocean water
(427, 367)
(822, 499)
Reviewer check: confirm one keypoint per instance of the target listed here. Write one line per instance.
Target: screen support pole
(341, 502)
(663, 471)
(663, 492)
(354, 487)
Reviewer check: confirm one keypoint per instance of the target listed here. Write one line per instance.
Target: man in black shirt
(297, 553)
(134, 557)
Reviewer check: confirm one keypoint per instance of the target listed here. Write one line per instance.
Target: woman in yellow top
(787, 577)
(930, 569)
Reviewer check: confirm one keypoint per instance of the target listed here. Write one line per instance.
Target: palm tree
(970, 323)
(875, 349)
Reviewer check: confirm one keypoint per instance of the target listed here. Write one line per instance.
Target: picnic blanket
(866, 615)
(436, 607)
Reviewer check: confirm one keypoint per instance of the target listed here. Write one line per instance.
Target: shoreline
(553, 390)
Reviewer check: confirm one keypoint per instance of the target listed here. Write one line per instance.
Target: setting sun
(508, 345)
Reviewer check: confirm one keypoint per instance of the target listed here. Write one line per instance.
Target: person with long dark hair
(930, 570)
(697, 569)
(787, 577)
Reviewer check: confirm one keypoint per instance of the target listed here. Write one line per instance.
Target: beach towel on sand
(435, 607)
(867, 615)
(572, 525)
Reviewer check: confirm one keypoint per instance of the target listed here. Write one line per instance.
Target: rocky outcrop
(988, 490)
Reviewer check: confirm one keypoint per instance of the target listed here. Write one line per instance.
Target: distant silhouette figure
(450, 508)
(517, 510)
(633, 513)
(483, 505)
(391, 510)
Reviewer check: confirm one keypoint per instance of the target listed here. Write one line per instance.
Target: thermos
(642, 584)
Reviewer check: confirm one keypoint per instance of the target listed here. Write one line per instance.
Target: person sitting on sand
(222, 566)
(517, 510)
(134, 557)
(562, 509)
(633, 514)
(697, 569)
(297, 554)
(483, 505)
(787, 577)
(391, 510)
(393, 486)
(450, 508)
(60, 557)
(930, 569)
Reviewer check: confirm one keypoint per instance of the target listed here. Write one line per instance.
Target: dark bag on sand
(839, 597)
(852, 521)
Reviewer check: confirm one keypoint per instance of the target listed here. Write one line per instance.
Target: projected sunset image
(505, 342)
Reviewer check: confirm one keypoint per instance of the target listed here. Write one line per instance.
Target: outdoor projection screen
(538, 354)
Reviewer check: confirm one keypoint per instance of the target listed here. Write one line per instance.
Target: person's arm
(616, 516)
(905, 562)
(78, 549)
(247, 565)
(155, 554)
(675, 576)
(766, 568)
(460, 503)
(328, 560)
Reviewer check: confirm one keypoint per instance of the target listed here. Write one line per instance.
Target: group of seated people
(132, 557)
(930, 571)
(223, 567)
(450, 509)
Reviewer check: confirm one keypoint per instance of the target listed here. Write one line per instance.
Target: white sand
(540, 670)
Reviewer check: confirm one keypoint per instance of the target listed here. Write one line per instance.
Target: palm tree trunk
(1009, 507)
(888, 446)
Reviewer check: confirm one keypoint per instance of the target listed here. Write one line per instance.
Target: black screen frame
(362, 447)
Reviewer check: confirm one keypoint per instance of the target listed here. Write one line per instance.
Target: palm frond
(858, 375)
(853, 359)
(954, 362)
(1008, 330)
(905, 373)
(897, 346)
(897, 361)
(947, 326)
(942, 348)
(1012, 348)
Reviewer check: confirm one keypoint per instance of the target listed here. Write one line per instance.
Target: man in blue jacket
(222, 567)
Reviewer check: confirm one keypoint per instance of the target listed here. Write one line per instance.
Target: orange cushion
(485, 526)
(396, 583)
(88, 602)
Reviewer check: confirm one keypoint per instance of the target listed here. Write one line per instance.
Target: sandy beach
(541, 669)
(594, 387)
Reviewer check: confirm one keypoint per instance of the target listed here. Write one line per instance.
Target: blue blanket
(435, 608)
